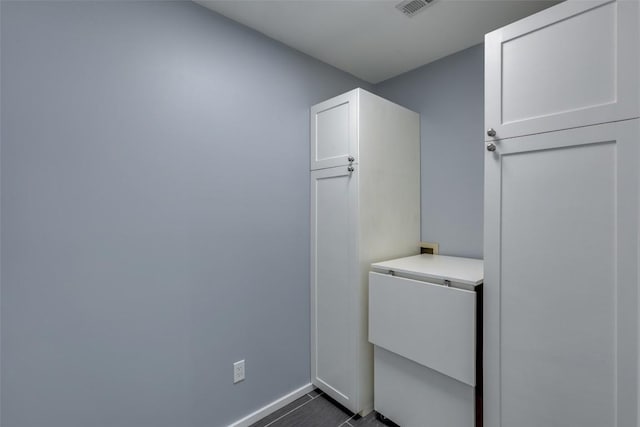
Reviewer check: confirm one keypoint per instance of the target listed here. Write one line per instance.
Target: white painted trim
(272, 407)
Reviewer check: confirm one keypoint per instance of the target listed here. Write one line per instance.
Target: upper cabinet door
(334, 131)
(574, 64)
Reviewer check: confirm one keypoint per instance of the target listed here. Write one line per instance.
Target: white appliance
(561, 218)
(424, 323)
(365, 206)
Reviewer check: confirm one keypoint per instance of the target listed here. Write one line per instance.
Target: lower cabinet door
(334, 275)
(412, 395)
(561, 279)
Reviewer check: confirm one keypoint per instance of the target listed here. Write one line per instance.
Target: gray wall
(155, 222)
(449, 95)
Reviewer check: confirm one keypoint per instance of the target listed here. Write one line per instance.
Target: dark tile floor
(316, 410)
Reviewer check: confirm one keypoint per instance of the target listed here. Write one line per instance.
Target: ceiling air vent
(411, 7)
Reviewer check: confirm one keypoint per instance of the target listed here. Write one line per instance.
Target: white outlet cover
(238, 371)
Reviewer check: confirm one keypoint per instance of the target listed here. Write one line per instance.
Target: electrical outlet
(429, 248)
(238, 371)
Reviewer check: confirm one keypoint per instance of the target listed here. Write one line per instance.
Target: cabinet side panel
(389, 186)
(389, 197)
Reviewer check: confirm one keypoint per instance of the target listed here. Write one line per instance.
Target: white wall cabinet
(561, 226)
(362, 211)
(572, 65)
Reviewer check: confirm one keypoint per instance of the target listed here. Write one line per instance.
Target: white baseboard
(272, 407)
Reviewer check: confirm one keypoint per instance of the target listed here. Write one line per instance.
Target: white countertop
(468, 271)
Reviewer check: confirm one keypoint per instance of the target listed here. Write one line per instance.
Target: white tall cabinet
(365, 207)
(562, 200)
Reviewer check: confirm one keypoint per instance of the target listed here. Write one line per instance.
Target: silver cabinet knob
(351, 169)
(491, 146)
(351, 159)
(491, 132)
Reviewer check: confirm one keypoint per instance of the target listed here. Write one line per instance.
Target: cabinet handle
(351, 169)
(491, 147)
(491, 132)
(351, 159)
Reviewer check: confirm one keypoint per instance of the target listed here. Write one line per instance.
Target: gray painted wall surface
(449, 95)
(155, 223)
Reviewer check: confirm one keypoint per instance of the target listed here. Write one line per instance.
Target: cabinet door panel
(572, 65)
(334, 131)
(333, 270)
(406, 317)
(561, 279)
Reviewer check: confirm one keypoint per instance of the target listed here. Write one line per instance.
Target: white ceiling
(371, 39)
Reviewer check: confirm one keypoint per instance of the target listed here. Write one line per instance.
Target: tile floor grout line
(313, 397)
(347, 421)
(294, 409)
